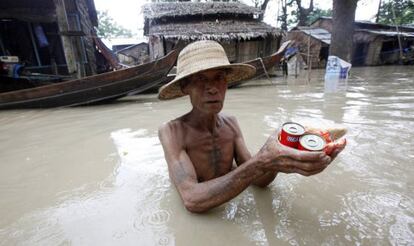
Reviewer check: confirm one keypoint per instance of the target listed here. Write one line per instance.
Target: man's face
(207, 91)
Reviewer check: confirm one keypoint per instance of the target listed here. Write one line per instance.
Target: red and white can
(312, 142)
(291, 133)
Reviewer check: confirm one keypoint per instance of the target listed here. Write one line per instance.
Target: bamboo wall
(236, 51)
(156, 47)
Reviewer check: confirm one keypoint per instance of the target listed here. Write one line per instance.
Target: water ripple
(377, 215)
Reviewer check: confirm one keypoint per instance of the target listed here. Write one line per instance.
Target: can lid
(312, 142)
(293, 128)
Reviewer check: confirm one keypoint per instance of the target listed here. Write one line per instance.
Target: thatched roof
(165, 10)
(215, 30)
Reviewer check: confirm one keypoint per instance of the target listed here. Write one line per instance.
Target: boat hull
(93, 89)
(264, 64)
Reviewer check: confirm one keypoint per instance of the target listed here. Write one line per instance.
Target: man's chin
(214, 108)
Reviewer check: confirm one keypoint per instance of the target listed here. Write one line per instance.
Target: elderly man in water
(201, 146)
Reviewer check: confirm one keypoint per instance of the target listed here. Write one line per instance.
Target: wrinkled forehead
(212, 74)
(205, 76)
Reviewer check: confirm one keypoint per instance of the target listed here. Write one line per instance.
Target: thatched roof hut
(235, 25)
(217, 30)
(156, 11)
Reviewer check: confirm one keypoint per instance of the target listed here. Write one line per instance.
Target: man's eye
(220, 77)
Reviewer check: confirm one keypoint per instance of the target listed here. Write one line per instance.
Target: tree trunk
(303, 12)
(342, 28)
(283, 16)
(263, 9)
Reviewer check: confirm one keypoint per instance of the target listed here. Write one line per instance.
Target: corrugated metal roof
(388, 33)
(316, 32)
(371, 25)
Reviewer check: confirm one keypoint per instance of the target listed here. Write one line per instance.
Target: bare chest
(211, 154)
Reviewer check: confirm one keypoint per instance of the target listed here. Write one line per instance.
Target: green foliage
(284, 17)
(109, 29)
(404, 12)
(289, 15)
(313, 16)
(316, 13)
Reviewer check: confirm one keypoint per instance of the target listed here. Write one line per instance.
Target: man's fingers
(309, 173)
(307, 155)
(312, 166)
(289, 163)
(336, 152)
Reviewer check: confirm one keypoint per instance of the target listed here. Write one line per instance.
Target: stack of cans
(293, 135)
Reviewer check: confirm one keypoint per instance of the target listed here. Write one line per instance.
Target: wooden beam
(32, 39)
(73, 33)
(29, 15)
(68, 48)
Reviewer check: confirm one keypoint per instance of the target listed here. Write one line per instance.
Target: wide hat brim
(234, 72)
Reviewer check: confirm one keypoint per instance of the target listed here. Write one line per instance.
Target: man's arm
(200, 197)
(289, 160)
(242, 154)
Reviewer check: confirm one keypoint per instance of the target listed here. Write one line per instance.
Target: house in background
(235, 25)
(134, 54)
(52, 36)
(318, 41)
(374, 44)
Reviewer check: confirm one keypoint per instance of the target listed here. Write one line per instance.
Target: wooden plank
(29, 15)
(72, 33)
(66, 42)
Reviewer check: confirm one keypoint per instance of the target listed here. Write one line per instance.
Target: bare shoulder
(231, 121)
(228, 119)
(171, 131)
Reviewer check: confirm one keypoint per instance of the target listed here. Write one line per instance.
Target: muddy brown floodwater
(97, 176)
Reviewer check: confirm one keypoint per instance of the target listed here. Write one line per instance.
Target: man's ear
(184, 85)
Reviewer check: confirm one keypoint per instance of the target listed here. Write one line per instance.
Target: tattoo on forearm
(179, 173)
(220, 187)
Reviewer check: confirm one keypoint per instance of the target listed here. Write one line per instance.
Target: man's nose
(212, 87)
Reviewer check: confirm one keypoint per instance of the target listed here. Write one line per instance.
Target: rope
(265, 70)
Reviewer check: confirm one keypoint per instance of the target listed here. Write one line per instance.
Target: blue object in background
(290, 51)
(16, 69)
(41, 37)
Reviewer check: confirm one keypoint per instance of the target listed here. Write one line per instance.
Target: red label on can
(291, 133)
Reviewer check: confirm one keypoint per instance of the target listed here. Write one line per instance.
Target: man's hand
(280, 158)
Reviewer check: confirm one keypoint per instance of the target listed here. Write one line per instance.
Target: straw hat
(199, 57)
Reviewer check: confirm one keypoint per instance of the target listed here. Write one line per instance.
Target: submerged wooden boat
(92, 89)
(264, 64)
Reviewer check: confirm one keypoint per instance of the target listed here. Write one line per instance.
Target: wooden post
(308, 60)
(63, 25)
(296, 65)
(237, 50)
(398, 34)
(30, 27)
(2, 49)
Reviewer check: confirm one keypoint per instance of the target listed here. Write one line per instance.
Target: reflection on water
(335, 85)
(97, 175)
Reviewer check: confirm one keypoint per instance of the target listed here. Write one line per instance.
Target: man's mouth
(213, 101)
